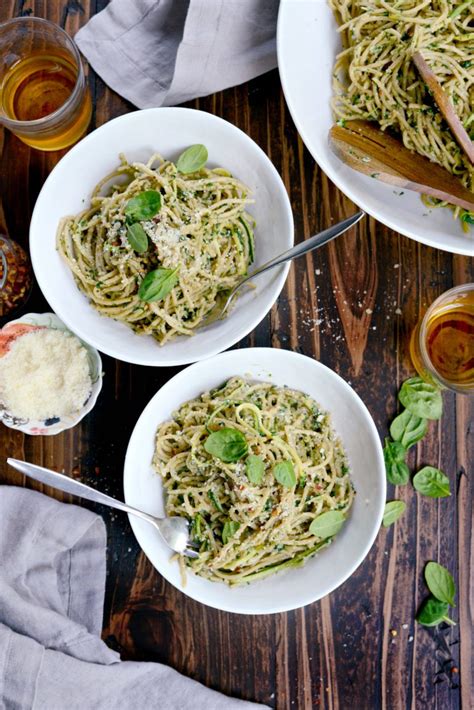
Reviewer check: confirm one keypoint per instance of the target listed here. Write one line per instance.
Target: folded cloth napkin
(52, 582)
(164, 52)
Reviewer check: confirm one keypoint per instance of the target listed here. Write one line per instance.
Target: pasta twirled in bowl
(161, 247)
(260, 474)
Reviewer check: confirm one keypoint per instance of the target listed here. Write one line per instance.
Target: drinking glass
(43, 94)
(442, 344)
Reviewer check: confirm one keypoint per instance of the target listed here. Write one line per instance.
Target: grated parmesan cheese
(44, 374)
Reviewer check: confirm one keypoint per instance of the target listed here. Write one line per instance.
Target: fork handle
(69, 485)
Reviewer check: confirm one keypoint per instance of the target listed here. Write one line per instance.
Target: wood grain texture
(353, 305)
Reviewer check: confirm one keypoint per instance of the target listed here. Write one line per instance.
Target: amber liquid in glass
(449, 341)
(39, 85)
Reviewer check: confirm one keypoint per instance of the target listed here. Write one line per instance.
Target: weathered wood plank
(353, 305)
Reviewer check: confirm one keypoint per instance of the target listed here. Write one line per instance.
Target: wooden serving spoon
(367, 149)
(445, 106)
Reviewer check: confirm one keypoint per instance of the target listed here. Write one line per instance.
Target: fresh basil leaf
(440, 583)
(432, 482)
(285, 474)
(397, 471)
(255, 468)
(432, 612)
(215, 501)
(226, 444)
(421, 398)
(229, 530)
(392, 511)
(407, 428)
(468, 217)
(137, 238)
(143, 206)
(193, 159)
(327, 524)
(157, 284)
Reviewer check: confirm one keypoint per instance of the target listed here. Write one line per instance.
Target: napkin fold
(52, 584)
(165, 52)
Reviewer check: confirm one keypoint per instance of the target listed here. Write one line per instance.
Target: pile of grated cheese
(44, 374)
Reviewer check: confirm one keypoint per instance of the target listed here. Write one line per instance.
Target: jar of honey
(15, 275)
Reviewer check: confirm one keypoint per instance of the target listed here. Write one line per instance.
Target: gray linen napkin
(164, 52)
(52, 582)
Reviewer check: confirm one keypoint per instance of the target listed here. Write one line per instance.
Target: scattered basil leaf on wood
(327, 524)
(397, 471)
(407, 428)
(285, 474)
(157, 284)
(226, 444)
(192, 159)
(255, 468)
(421, 398)
(440, 583)
(432, 612)
(432, 482)
(137, 238)
(143, 206)
(215, 501)
(392, 511)
(229, 530)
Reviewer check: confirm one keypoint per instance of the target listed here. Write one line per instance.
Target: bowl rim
(319, 158)
(95, 389)
(379, 468)
(256, 314)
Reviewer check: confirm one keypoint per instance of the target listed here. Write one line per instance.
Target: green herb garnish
(392, 511)
(285, 474)
(226, 444)
(433, 612)
(432, 482)
(421, 398)
(137, 238)
(255, 468)
(157, 284)
(394, 454)
(407, 428)
(327, 524)
(440, 583)
(193, 159)
(229, 530)
(143, 206)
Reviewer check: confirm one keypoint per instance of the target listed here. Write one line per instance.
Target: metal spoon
(308, 245)
(174, 531)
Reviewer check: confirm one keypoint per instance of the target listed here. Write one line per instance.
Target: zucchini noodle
(375, 79)
(269, 521)
(202, 230)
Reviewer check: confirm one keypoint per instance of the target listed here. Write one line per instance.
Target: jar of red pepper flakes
(15, 272)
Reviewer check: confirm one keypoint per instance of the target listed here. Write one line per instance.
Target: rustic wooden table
(351, 305)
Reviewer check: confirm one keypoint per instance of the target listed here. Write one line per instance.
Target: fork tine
(191, 553)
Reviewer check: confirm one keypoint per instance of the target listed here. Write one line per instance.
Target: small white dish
(307, 44)
(55, 425)
(352, 422)
(138, 135)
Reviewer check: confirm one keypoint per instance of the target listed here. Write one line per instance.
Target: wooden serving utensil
(367, 149)
(445, 105)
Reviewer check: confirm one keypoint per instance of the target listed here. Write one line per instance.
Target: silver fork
(174, 531)
(303, 248)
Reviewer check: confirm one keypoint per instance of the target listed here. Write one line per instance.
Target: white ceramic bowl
(49, 427)
(307, 42)
(351, 420)
(139, 134)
